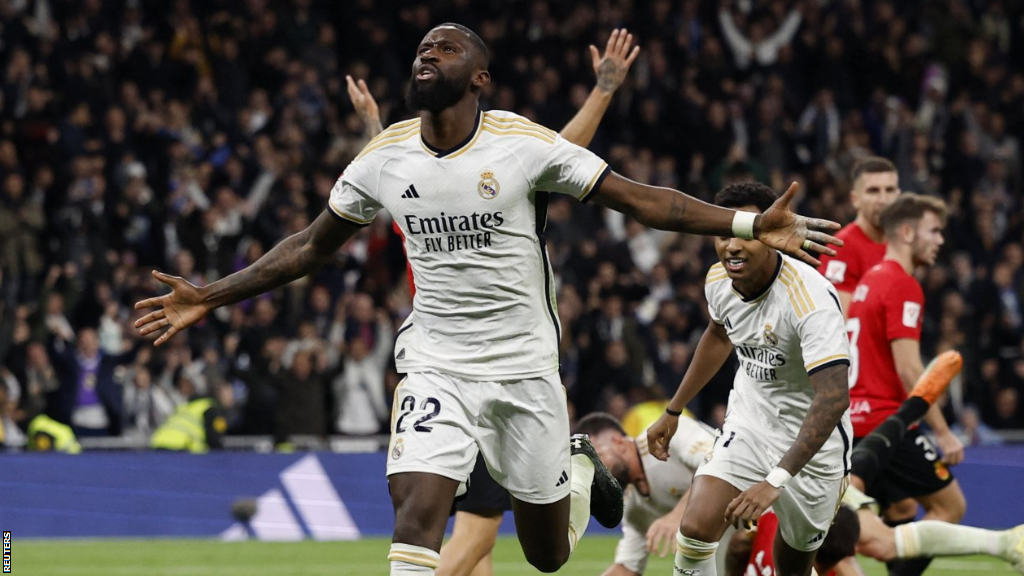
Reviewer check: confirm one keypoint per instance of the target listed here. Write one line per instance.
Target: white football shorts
(440, 422)
(808, 504)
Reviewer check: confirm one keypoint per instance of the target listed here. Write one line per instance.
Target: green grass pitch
(362, 558)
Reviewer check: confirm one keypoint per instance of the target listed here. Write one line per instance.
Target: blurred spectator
(359, 392)
(89, 398)
(972, 431)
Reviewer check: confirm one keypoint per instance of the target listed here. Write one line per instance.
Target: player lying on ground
(786, 438)
(480, 349)
(658, 490)
(858, 526)
(479, 513)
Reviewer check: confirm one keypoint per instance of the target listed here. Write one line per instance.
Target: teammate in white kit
(786, 438)
(659, 491)
(469, 189)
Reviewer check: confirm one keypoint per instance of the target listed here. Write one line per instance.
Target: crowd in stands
(191, 136)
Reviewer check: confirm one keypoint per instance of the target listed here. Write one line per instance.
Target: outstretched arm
(295, 257)
(611, 69)
(667, 209)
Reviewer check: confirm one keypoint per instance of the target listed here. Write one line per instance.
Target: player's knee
(694, 529)
(950, 509)
(547, 562)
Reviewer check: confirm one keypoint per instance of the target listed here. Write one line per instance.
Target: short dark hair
(841, 540)
(474, 39)
(596, 422)
(871, 165)
(745, 194)
(909, 207)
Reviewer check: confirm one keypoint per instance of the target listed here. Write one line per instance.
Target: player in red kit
(884, 327)
(875, 186)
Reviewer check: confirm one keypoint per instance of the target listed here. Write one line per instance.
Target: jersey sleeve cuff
(815, 367)
(346, 217)
(596, 182)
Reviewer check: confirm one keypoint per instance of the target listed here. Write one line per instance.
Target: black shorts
(484, 497)
(915, 470)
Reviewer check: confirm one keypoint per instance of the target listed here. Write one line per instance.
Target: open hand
(661, 536)
(176, 311)
(611, 68)
(796, 235)
(659, 435)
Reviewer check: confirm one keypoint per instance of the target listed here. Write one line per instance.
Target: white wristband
(778, 478)
(743, 225)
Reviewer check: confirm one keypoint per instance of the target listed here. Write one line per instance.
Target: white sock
(930, 538)
(581, 476)
(412, 560)
(695, 558)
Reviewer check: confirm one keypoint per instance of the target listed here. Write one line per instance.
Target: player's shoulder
(394, 139)
(716, 273)
(509, 127)
(805, 288)
(716, 282)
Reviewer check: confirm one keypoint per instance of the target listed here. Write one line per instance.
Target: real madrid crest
(488, 186)
(769, 337)
(397, 451)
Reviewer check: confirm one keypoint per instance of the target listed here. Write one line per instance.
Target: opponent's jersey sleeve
(354, 196)
(904, 304)
(820, 324)
(566, 168)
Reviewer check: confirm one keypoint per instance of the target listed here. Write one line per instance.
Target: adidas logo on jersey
(562, 479)
(411, 192)
(820, 536)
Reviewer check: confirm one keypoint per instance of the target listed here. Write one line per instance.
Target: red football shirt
(762, 562)
(887, 305)
(858, 254)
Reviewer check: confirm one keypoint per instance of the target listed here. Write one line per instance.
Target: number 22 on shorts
(408, 405)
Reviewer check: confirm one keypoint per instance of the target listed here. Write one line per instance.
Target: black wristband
(671, 412)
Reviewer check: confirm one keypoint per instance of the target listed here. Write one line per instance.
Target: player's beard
(435, 96)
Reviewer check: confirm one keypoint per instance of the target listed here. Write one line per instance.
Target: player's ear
(482, 78)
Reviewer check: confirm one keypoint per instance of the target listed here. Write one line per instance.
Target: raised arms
(610, 69)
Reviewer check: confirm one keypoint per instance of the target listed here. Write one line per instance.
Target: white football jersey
(473, 219)
(781, 336)
(667, 481)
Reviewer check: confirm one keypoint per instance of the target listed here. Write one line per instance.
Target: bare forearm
(831, 399)
(666, 209)
(293, 258)
(712, 351)
(936, 420)
(581, 129)
(373, 126)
